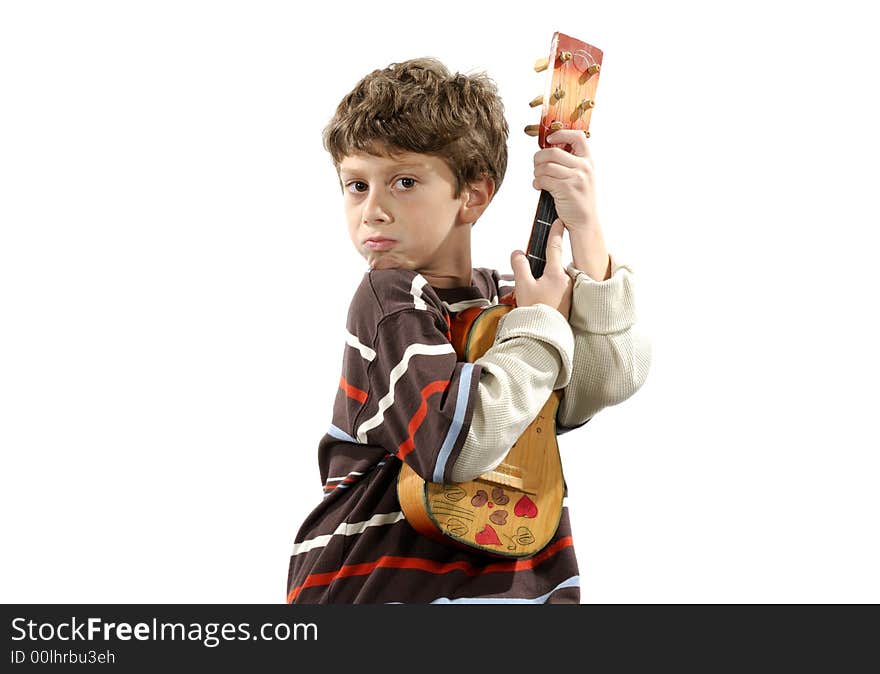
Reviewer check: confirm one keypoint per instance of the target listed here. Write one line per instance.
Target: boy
(420, 154)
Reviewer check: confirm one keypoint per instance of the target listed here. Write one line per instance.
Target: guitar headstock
(569, 96)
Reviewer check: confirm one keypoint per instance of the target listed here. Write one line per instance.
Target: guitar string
(544, 232)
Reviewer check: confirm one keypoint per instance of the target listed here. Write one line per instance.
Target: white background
(175, 274)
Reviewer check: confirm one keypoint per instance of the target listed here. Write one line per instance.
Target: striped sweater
(404, 396)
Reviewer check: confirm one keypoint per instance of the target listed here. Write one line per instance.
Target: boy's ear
(480, 193)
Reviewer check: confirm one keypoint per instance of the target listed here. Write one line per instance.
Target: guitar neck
(537, 249)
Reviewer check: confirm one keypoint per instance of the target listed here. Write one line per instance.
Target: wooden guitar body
(511, 511)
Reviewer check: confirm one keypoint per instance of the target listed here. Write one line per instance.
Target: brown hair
(419, 106)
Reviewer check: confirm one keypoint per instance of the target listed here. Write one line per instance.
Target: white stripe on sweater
(455, 307)
(396, 373)
(365, 350)
(346, 529)
(339, 434)
(418, 283)
(344, 477)
(574, 581)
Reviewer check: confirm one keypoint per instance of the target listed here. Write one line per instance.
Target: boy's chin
(385, 262)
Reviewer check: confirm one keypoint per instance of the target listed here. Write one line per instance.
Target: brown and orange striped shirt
(404, 396)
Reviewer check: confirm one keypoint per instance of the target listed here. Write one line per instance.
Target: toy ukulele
(513, 510)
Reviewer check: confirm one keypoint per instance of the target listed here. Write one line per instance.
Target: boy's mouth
(379, 243)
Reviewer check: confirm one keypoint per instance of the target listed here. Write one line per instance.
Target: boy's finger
(577, 140)
(520, 265)
(554, 243)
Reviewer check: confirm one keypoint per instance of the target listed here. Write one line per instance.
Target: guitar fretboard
(544, 217)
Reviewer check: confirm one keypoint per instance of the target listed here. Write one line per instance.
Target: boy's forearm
(531, 357)
(590, 255)
(611, 358)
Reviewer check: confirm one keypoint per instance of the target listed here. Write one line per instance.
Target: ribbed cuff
(546, 324)
(602, 307)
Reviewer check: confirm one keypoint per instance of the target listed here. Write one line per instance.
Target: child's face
(401, 212)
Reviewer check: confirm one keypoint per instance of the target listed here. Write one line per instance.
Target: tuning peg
(558, 94)
(541, 64)
(565, 56)
(533, 129)
(588, 73)
(583, 106)
(556, 126)
(536, 101)
(586, 133)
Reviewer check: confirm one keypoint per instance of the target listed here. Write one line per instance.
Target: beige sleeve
(531, 357)
(611, 358)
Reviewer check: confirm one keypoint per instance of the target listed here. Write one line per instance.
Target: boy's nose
(374, 210)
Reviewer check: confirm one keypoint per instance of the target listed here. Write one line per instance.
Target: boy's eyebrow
(392, 168)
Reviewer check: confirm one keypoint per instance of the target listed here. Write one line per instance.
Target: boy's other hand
(568, 176)
(555, 285)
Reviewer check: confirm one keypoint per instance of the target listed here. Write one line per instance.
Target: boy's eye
(359, 186)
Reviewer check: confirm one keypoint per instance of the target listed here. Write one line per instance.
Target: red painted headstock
(569, 96)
